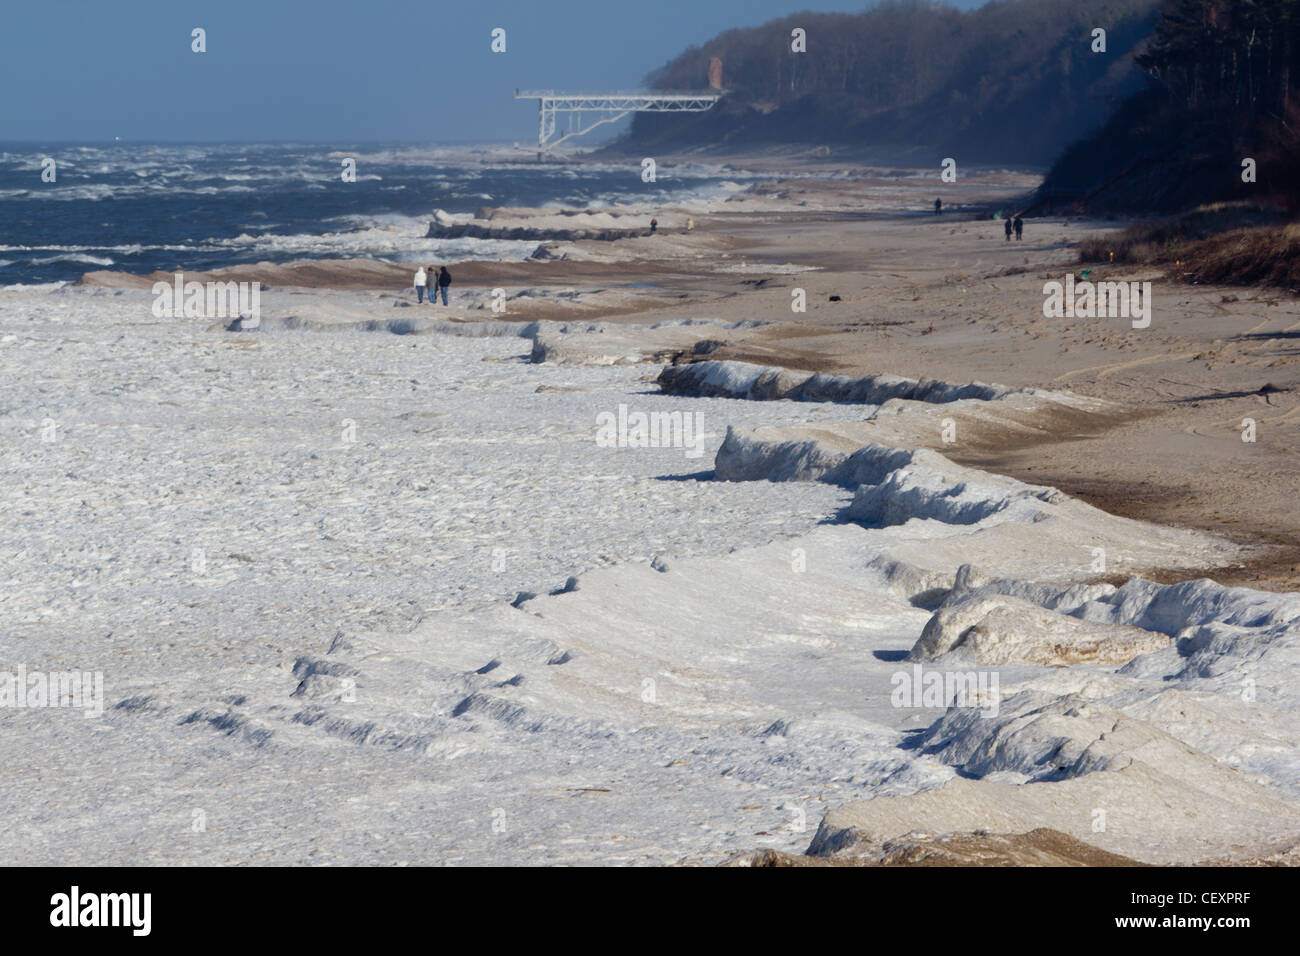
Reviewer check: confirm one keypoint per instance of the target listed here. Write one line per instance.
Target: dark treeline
(1224, 75)
(1227, 54)
(1010, 82)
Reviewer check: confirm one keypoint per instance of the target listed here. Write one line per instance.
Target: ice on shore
(554, 224)
(765, 383)
(607, 343)
(1007, 630)
(303, 563)
(1137, 812)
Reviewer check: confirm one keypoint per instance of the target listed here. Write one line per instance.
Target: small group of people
(1012, 223)
(432, 281)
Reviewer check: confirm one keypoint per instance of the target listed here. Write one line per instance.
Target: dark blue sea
(139, 208)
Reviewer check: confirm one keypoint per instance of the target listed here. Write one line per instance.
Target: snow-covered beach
(363, 597)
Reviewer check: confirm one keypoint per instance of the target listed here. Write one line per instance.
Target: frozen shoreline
(347, 629)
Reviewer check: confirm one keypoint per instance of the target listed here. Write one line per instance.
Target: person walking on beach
(444, 280)
(654, 224)
(938, 206)
(420, 280)
(1008, 228)
(432, 281)
(1020, 227)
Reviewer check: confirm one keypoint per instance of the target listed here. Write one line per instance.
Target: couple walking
(1017, 224)
(433, 280)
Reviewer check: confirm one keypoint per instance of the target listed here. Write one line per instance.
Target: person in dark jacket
(1008, 228)
(938, 206)
(1020, 227)
(444, 280)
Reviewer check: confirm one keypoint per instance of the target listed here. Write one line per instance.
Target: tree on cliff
(1013, 81)
(1225, 74)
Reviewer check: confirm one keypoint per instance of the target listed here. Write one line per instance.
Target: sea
(144, 207)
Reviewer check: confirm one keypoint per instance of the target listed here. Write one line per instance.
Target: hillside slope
(1012, 82)
(1226, 93)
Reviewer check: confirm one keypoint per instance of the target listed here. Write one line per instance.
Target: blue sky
(333, 70)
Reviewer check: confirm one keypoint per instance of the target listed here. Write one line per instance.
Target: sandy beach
(382, 548)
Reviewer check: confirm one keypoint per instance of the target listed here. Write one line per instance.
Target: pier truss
(610, 107)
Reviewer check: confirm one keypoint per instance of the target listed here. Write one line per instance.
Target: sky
(334, 70)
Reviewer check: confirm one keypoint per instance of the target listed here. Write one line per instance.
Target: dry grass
(1224, 244)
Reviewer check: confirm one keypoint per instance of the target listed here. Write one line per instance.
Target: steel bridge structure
(611, 107)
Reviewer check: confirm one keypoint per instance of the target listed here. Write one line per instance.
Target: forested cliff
(1012, 82)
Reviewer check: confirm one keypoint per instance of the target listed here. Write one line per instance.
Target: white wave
(32, 286)
(130, 249)
(393, 242)
(92, 191)
(74, 257)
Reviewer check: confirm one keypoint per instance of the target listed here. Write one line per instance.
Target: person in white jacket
(420, 281)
